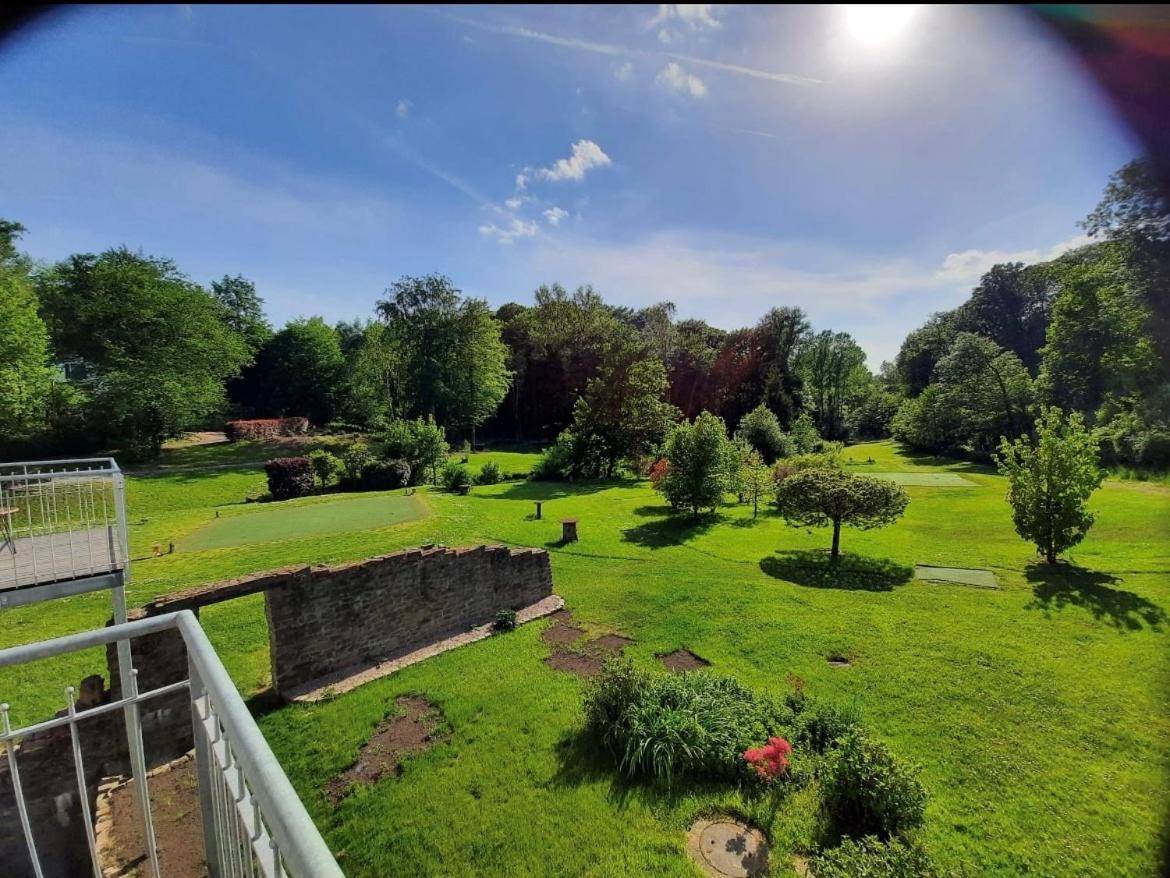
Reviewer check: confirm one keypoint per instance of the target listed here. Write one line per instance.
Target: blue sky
(728, 159)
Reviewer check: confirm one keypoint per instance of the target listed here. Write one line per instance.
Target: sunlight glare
(874, 25)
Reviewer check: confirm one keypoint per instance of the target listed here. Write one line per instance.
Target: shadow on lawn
(815, 569)
(528, 490)
(673, 530)
(1056, 586)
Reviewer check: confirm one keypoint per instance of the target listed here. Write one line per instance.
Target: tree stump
(538, 502)
(568, 530)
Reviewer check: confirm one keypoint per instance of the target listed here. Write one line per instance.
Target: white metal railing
(253, 822)
(60, 521)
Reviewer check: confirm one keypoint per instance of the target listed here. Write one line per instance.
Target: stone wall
(323, 621)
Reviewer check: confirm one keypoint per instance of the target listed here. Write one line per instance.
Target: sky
(864, 165)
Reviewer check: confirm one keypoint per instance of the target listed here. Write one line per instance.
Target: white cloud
(624, 72)
(970, 265)
(586, 155)
(673, 77)
(516, 228)
(514, 203)
(696, 16)
(521, 181)
(402, 111)
(554, 215)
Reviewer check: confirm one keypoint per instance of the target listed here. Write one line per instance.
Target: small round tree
(326, 466)
(817, 497)
(1050, 480)
(761, 430)
(696, 477)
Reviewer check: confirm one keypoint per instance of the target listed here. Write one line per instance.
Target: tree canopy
(819, 497)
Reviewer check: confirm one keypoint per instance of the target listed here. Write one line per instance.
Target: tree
(921, 350)
(817, 497)
(422, 444)
(1011, 307)
(780, 334)
(25, 377)
(1050, 480)
(804, 435)
(623, 412)
(326, 465)
(696, 451)
(983, 391)
(156, 347)
(371, 368)
(832, 367)
(301, 369)
(243, 309)
(450, 361)
(755, 478)
(761, 430)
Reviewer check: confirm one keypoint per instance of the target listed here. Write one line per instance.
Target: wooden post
(568, 530)
(538, 502)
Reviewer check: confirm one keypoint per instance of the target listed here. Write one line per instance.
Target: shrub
(658, 471)
(289, 477)
(326, 466)
(761, 430)
(490, 474)
(505, 620)
(355, 459)
(867, 791)
(804, 435)
(264, 428)
(871, 858)
(385, 475)
(455, 476)
(296, 426)
(822, 723)
(696, 725)
(422, 444)
(557, 462)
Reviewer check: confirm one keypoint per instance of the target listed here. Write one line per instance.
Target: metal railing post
(203, 770)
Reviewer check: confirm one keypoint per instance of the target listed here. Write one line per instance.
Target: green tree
(421, 443)
(983, 391)
(155, 343)
(697, 476)
(804, 435)
(755, 478)
(818, 497)
(26, 380)
(921, 350)
(1050, 480)
(301, 368)
(243, 309)
(832, 367)
(761, 430)
(326, 466)
(371, 368)
(623, 413)
(479, 367)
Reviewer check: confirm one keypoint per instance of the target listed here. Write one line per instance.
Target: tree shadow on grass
(816, 569)
(1056, 586)
(539, 490)
(673, 530)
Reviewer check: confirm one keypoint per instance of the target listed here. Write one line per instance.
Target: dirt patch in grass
(608, 644)
(575, 663)
(414, 730)
(561, 633)
(178, 826)
(682, 660)
(837, 660)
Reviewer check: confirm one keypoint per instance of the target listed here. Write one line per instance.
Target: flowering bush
(658, 471)
(769, 761)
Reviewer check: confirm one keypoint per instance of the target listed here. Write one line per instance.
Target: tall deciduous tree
(697, 452)
(761, 430)
(832, 366)
(301, 370)
(243, 309)
(156, 343)
(1050, 480)
(984, 391)
(818, 497)
(25, 376)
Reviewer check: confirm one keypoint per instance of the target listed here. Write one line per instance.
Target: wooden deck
(57, 557)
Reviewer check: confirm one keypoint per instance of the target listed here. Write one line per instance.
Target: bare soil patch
(608, 644)
(682, 660)
(411, 732)
(561, 633)
(178, 826)
(575, 663)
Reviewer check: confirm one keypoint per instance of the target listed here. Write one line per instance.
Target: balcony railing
(62, 528)
(253, 821)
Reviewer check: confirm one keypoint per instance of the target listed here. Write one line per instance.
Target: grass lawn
(1038, 711)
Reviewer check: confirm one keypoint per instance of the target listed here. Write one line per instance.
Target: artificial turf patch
(926, 480)
(957, 575)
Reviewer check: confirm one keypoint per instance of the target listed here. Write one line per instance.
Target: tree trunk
(1050, 555)
(836, 541)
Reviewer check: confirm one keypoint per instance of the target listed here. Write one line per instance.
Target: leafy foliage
(867, 790)
(299, 371)
(832, 367)
(422, 444)
(455, 476)
(1050, 481)
(354, 459)
(696, 452)
(761, 430)
(386, 475)
(327, 466)
(489, 474)
(25, 378)
(870, 857)
(817, 497)
(289, 477)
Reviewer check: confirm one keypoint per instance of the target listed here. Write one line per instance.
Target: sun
(875, 25)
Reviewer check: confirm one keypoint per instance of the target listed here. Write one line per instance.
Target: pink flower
(769, 761)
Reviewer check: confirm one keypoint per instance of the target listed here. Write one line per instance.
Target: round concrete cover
(731, 848)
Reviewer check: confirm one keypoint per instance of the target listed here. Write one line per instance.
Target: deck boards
(57, 557)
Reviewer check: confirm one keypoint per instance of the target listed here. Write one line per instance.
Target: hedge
(265, 428)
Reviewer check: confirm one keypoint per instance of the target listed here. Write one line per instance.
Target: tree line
(121, 349)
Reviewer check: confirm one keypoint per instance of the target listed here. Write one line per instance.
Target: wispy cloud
(624, 72)
(507, 234)
(554, 215)
(619, 51)
(673, 19)
(674, 78)
(970, 265)
(402, 110)
(585, 155)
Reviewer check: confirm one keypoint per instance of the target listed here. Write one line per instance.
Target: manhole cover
(727, 847)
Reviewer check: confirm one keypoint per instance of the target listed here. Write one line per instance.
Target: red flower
(769, 761)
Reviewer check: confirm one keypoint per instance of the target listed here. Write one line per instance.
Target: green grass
(1039, 712)
(319, 517)
(926, 480)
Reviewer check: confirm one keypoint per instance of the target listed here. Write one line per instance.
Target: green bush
(455, 476)
(422, 444)
(761, 430)
(289, 477)
(356, 458)
(684, 725)
(819, 724)
(867, 791)
(872, 858)
(557, 462)
(505, 620)
(385, 475)
(326, 466)
(489, 474)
